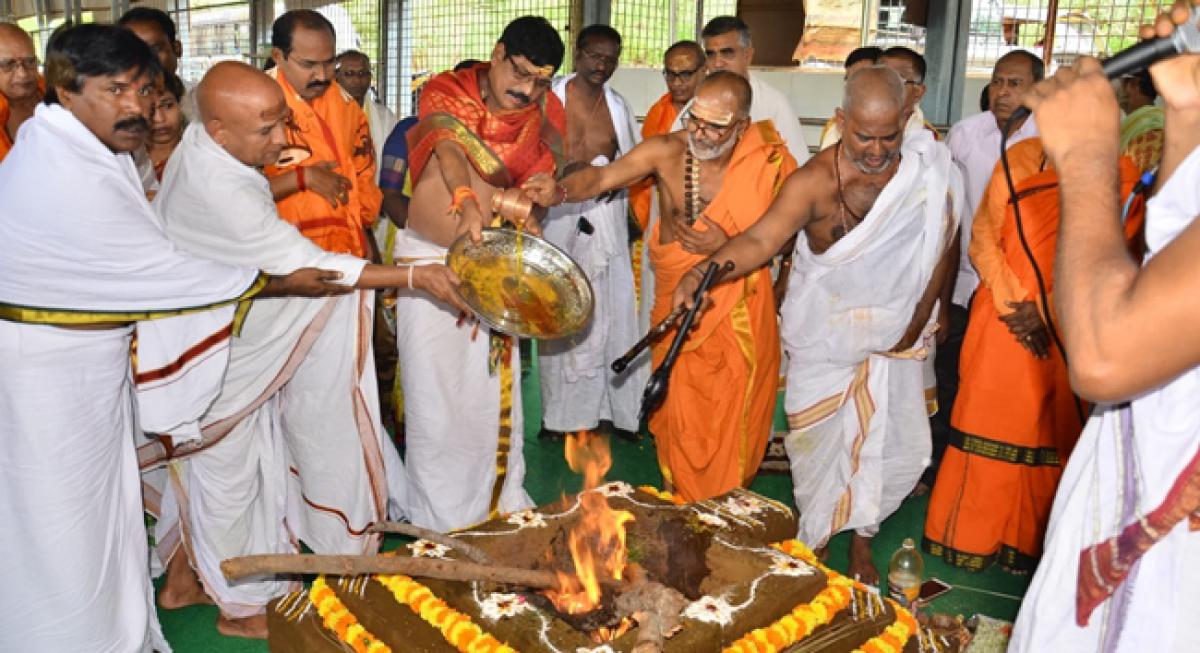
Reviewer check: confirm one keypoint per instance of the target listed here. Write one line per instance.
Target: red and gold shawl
(505, 147)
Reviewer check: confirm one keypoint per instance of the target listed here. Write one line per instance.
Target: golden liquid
(502, 289)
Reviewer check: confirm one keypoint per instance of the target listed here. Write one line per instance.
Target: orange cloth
(658, 121)
(713, 426)
(1016, 413)
(6, 143)
(505, 147)
(335, 129)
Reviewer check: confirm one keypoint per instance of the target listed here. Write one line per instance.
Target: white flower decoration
(427, 549)
(743, 505)
(709, 519)
(502, 606)
(788, 566)
(527, 519)
(599, 649)
(615, 489)
(709, 609)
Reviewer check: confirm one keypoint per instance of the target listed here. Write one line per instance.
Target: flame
(597, 540)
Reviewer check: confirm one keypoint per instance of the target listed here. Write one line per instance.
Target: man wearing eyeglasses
(716, 179)
(683, 70)
(579, 390)
(911, 67)
(21, 87)
(345, 472)
(727, 46)
(485, 127)
(354, 75)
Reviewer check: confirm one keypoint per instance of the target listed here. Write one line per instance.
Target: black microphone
(1185, 38)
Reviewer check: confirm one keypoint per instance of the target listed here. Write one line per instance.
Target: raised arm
(790, 212)
(1126, 329)
(590, 181)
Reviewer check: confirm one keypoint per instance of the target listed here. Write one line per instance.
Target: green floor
(993, 592)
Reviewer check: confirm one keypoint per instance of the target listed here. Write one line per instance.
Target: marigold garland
(894, 637)
(456, 627)
(462, 633)
(337, 617)
(803, 619)
(662, 494)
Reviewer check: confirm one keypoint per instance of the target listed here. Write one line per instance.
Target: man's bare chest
(590, 131)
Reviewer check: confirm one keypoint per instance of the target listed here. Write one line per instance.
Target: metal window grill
(355, 24)
(649, 27)
(891, 29)
(437, 35)
(1081, 27)
(211, 31)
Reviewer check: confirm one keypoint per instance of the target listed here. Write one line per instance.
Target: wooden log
(473, 552)
(349, 565)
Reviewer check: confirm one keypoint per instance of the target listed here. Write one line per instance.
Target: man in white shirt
(727, 46)
(354, 75)
(975, 146)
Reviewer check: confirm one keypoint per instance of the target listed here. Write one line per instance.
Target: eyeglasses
(523, 76)
(684, 76)
(597, 58)
(365, 73)
(712, 131)
(10, 65)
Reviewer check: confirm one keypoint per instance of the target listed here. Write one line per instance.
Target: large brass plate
(522, 285)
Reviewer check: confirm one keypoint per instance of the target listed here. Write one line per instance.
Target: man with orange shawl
(683, 69)
(343, 473)
(1016, 418)
(21, 88)
(712, 429)
(486, 127)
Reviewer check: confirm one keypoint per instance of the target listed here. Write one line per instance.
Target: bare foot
(251, 627)
(182, 587)
(822, 554)
(862, 567)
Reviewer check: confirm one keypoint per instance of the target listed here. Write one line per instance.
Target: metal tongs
(656, 387)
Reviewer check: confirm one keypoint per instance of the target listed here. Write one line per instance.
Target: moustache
(136, 123)
(519, 97)
(318, 84)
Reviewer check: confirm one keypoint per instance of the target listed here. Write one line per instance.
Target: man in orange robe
(712, 429)
(344, 474)
(683, 69)
(21, 87)
(1015, 410)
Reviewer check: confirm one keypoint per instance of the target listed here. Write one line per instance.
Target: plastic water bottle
(904, 573)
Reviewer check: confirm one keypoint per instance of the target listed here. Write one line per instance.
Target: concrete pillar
(946, 54)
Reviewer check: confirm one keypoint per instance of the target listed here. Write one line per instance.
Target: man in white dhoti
(86, 266)
(579, 390)
(462, 398)
(229, 492)
(727, 46)
(876, 219)
(1119, 571)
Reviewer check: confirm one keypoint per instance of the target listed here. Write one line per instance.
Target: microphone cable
(1015, 200)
